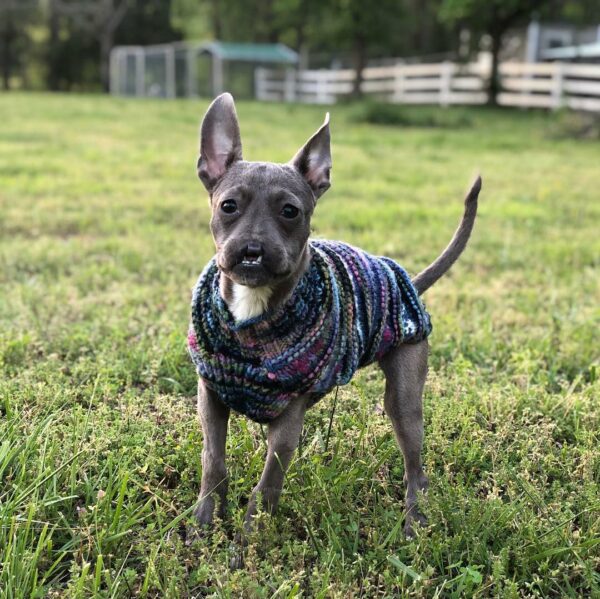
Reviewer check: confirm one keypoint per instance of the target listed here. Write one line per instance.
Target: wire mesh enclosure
(184, 69)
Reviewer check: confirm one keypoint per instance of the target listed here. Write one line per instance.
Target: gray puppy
(260, 223)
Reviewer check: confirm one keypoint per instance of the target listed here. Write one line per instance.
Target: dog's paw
(203, 522)
(237, 561)
(204, 513)
(201, 525)
(193, 533)
(414, 519)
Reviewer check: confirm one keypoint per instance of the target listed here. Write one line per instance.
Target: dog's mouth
(250, 260)
(254, 267)
(254, 271)
(250, 270)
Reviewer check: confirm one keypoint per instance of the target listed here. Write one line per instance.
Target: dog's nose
(254, 250)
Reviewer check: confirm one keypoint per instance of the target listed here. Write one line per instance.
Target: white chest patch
(249, 302)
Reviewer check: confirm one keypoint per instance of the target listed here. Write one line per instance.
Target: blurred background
(308, 50)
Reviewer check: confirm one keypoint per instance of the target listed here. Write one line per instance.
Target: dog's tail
(440, 266)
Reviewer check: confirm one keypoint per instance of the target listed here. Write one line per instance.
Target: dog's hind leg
(214, 416)
(405, 369)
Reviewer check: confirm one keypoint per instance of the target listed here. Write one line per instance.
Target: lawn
(103, 232)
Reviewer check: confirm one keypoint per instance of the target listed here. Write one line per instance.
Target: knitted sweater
(347, 311)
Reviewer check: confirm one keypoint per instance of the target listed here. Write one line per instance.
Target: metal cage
(187, 69)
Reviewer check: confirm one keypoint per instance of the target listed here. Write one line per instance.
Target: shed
(177, 70)
(588, 52)
(258, 54)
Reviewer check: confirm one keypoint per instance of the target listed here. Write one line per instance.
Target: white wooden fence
(540, 85)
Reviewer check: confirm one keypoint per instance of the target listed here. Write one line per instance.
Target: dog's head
(261, 211)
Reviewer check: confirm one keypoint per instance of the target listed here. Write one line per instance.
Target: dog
(265, 272)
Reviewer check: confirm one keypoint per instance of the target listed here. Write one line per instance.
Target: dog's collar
(347, 311)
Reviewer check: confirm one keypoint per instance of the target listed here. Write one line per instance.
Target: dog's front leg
(214, 416)
(405, 369)
(282, 440)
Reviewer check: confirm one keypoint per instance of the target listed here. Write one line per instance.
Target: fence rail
(541, 85)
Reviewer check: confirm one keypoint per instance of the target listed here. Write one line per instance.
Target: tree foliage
(495, 17)
(16, 22)
(66, 43)
(81, 34)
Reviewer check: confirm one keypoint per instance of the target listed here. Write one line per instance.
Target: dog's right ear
(220, 143)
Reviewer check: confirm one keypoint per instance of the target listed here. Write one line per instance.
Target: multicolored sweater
(347, 311)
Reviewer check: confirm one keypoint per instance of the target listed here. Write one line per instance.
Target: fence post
(321, 95)
(171, 91)
(445, 82)
(113, 83)
(558, 84)
(217, 75)
(289, 88)
(259, 83)
(191, 70)
(140, 72)
(484, 68)
(398, 93)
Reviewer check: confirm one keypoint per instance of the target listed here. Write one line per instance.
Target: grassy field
(103, 231)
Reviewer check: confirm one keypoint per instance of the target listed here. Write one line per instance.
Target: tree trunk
(300, 24)
(6, 56)
(217, 25)
(52, 74)
(360, 62)
(106, 44)
(495, 86)
(110, 20)
(272, 30)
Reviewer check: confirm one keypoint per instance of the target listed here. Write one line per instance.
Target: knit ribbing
(348, 310)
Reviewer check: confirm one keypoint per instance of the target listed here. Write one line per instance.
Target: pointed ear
(313, 160)
(220, 143)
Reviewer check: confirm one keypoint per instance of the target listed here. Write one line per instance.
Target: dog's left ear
(220, 143)
(313, 160)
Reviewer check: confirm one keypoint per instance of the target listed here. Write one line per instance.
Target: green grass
(103, 231)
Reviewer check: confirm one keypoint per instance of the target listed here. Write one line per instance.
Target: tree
(349, 26)
(495, 18)
(100, 18)
(197, 19)
(15, 18)
(82, 34)
(338, 29)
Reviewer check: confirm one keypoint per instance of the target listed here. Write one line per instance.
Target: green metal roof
(252, 52)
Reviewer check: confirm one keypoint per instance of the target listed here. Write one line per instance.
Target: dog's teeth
(253, 261)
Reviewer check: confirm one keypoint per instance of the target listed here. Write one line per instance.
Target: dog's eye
(229, 206)
(289, 211)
